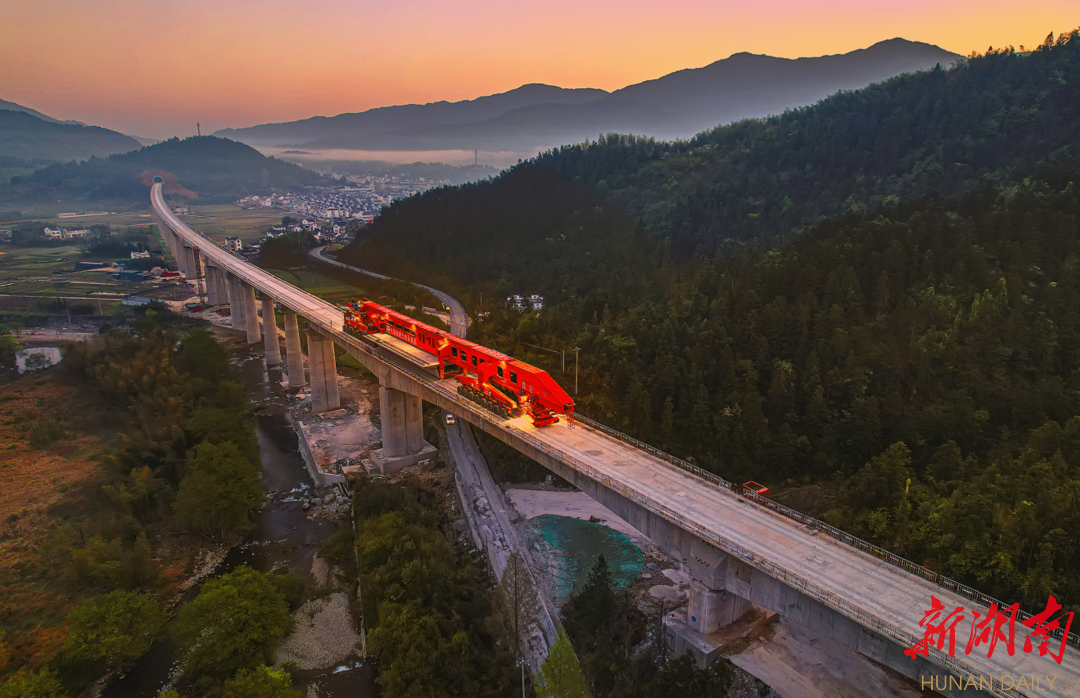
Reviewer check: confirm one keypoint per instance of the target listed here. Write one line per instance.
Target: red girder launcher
(498, 382)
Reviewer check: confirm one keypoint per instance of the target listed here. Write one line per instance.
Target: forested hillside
(25, 135)
(214, 168)
(870, 304)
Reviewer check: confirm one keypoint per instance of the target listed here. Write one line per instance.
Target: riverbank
(297, 517)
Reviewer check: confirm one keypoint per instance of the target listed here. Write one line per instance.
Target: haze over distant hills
(534, 116)
(30, 135)
(12, 106)
(213, 169)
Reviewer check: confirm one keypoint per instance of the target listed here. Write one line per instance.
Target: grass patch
(228, 220)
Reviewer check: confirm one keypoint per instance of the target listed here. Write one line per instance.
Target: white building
(234, 244)
(145, 254)
(533, 302)
(62, 234)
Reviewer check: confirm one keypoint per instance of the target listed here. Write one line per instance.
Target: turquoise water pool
(571, 547)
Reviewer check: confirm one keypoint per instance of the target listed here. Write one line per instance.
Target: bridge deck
(404, 350)
(854, 583)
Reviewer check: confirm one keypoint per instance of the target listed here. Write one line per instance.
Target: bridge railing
(839, 603)
(819, 525)
(170, 217)
(771, 568)
(717, 481)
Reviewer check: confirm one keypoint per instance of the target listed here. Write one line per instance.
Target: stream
(283, 535)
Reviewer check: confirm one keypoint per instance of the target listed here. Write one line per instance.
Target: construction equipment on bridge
(498, 382)
(751, 488)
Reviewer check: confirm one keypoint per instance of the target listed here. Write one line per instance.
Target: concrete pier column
(185, 262)
(251, 312)
(720, 593)
(170, 242)
(293, 354)
(710, 609)
(402, 431)
(200, 273)
(269, 326)
(324, 387)
(236, 301)
(213, 290)
(222, 286)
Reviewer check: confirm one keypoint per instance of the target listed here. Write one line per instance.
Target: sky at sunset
(155, 67)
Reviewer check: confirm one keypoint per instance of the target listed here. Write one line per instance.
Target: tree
(260, 682)
(560, 674)
(590, 610)
(37, 361)
(681, 678)
(114, 629)
(219, 492)
(9, 347)
(520, 603)
(42, 684)
(234, 623)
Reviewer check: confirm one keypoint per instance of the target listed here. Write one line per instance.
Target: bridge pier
(402, 431)
(187, 264)
(236, 301)
(222, 282)
(251, 312)
(269, 325)
(213, 285)
(293, 353)
(324, 387)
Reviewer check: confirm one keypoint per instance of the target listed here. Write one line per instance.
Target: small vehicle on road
(450, 420)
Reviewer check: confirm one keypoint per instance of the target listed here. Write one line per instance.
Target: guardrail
(263, 278)
(813, 590)
(818, 525)
(834, 601)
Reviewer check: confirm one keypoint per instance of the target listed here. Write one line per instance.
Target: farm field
(122, 219)
(36, 279)
(324, 287)
(228, 220)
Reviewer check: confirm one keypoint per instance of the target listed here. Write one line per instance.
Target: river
(283, 535)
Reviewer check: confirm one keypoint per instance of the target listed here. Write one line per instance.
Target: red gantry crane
(498, 382)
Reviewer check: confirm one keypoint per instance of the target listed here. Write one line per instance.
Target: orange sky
(155, 67)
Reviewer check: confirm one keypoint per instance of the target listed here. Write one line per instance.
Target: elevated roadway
(738, 551)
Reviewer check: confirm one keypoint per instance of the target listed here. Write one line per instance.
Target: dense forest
(216, 169)
(185, 463)
(868, 304)
(621, 656)
(426, 603)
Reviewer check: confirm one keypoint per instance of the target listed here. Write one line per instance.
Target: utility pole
(576, 350)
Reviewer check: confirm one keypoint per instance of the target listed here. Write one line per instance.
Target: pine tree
(560, 674)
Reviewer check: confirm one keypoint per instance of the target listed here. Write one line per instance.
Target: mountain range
(12, 106)
(214, 170)
(30, 135)
(536, 116)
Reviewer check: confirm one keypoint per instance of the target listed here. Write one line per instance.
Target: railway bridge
(740, 549)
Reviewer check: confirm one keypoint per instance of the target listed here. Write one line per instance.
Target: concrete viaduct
(739, 551)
